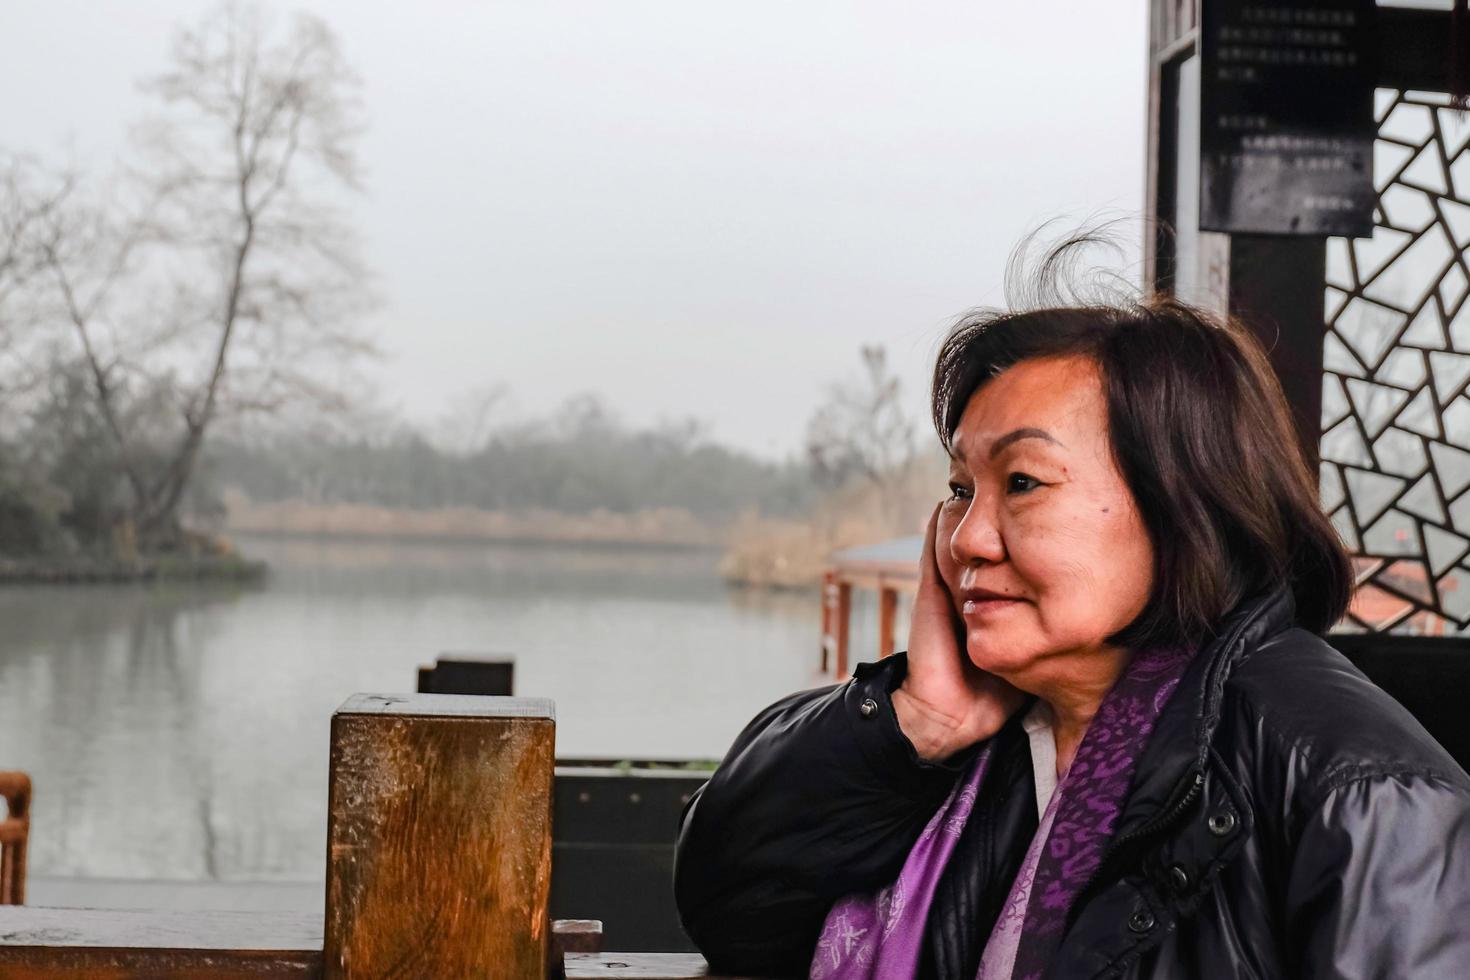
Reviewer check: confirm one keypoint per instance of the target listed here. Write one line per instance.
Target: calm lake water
(181, 732)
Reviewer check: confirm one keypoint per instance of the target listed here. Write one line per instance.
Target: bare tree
(217, 277)
(29, 198)
(861, 431)
(469, 420)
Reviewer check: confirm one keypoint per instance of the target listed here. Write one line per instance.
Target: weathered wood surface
(108, 944)
(576, 936)
(98, 944)
(439, 837)
(114, 943)
(15, 831)
(640, 966)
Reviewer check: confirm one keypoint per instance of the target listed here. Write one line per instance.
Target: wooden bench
(438, 865)
(130, 945)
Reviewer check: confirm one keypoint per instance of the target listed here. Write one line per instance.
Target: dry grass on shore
(671, 527)
(793, 554)
(760, 552)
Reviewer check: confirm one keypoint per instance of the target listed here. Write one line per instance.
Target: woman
(1116, 746)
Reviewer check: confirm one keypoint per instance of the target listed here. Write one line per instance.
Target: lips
(976, 602)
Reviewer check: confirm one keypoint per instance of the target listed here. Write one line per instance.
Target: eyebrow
(1014, 436)
(999, 445)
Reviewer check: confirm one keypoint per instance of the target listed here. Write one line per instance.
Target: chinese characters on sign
(1286, 117)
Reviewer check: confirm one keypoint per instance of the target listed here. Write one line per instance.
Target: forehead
(1060, 395)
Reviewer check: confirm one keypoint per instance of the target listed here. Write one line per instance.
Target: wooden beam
(48, 944)
(1277, 288)
(639, 966)
(1413, 49)
(439, 837)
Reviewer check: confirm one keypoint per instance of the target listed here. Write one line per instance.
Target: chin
(994, 655)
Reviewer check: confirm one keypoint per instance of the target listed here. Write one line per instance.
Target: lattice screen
(1395, 410)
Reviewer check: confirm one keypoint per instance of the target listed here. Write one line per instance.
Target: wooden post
(15, 831)
(1277, 285)
(829, 614)
(887, 616)
(439, 837)
(844, 614)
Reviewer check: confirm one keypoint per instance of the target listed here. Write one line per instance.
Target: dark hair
(1201, 433)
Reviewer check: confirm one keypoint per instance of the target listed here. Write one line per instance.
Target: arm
(815, 800)
(1380, 883)
(819, 799)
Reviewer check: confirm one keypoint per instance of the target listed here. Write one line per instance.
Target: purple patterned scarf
(881, 934)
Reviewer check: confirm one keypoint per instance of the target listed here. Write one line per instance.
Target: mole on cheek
(1106, 509)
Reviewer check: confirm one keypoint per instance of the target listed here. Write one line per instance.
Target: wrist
(934, 734)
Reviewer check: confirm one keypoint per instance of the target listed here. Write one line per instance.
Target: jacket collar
(1179, 748)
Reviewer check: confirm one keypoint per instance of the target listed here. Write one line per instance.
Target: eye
(959, 491)
(1021, 483)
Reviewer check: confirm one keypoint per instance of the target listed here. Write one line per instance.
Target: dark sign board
(1286, 117)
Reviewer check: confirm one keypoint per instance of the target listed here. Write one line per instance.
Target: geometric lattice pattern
(1396, 364)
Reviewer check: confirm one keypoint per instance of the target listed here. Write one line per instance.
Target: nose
(977, 539)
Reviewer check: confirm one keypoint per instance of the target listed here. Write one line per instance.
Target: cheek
(1134, 568)
(1125, 578)
(1099, 563)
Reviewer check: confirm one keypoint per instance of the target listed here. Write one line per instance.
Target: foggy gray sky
(689, 208)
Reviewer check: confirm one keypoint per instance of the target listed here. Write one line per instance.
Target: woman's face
(1047, 555)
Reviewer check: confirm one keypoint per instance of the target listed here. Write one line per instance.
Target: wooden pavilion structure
(438, 802)
(1348, 258)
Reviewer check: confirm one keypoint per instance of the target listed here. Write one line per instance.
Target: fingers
(934, 597)
(928, 565)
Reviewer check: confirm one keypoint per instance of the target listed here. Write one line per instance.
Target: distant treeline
(573, 466)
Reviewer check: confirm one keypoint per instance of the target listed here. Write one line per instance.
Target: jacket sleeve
(1380, 882)
(819, 797)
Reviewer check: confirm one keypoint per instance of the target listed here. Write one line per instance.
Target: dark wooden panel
(606, 805)
(1429, 675)
(629, 887)
(1276, 288)
(439, 837)
(453, 674)
(1414, 49)
(613, 852)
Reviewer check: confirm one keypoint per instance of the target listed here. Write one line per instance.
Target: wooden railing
(438, 865)
(15, 829)
(890, 568)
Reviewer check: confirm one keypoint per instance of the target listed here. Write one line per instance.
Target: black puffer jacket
(1287, 819)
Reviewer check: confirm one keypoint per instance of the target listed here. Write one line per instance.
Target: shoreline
(664, 527)
(526, 540)
(102, 571)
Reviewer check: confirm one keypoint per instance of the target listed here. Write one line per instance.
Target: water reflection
(99, 695)
(181, 731)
